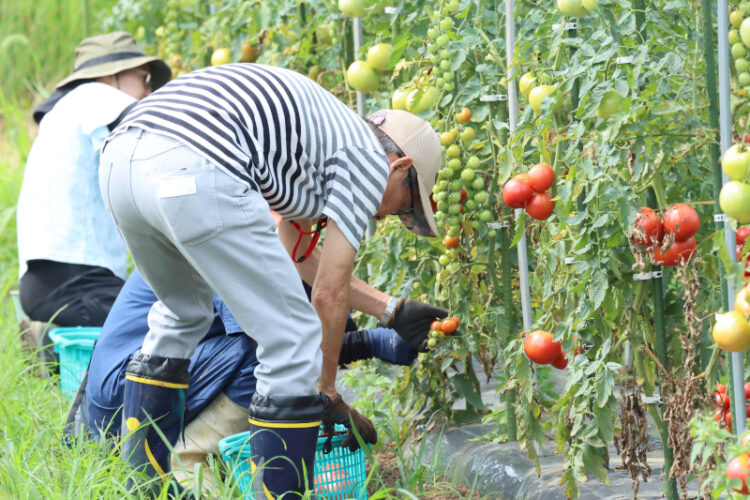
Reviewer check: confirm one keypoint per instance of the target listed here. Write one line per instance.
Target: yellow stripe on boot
(282, 425)
(133, 423)
(159, 383)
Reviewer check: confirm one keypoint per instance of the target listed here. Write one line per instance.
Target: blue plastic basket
(339, 475)
(74, 345)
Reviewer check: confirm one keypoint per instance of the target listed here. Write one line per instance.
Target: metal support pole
(725, 122)
(357, 26)
(510, 57)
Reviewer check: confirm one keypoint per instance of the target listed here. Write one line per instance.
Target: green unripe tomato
(741, 64)
(485, 216)
(734, 37)
(745, 7)
(449, 76)
(454, 220)
(470, 204)
(444, 260)
(455, 185)
(453, 151)
(454, 230)
(446, 24)
(443, 185)
(442, 40)
(454, 164)
(481, 197)
(431, 33)
(472, 162)
(442, 195)
(449, 86)
(477, 183)
(454, 197)
(467, 175)
(738, 50)
(451, 7)
(467, 135)
(454, 209)
(744, 79)
(445, 65)
(491, 233)
(735, 18)
(443, 205)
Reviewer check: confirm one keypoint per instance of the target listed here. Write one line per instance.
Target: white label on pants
(181, 186)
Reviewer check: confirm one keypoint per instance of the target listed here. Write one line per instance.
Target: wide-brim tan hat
(418, 140)
(111, 53)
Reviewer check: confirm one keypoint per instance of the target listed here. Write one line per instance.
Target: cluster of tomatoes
(529, 191)
(541, 348)
(681, 221)
(722, 404)
(738, 467)
(443, 328)
(460, 185)
(364, 76)
(739, 39)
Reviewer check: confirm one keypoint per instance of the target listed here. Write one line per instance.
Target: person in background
(222, 379)
(72, 260)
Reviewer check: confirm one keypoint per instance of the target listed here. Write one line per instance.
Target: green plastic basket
(74, 345)
(339, 475)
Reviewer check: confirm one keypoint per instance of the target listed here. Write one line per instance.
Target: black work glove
(338, 412)
(412, 319)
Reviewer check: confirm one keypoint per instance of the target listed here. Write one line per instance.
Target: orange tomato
(451, 241)
(464, 115)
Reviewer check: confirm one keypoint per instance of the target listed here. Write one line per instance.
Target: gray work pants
(193, 230)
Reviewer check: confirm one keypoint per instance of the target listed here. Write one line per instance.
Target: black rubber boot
(283, 437)
(154, 405)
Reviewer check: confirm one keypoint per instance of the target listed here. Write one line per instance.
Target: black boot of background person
(153, 406)
(283, 438)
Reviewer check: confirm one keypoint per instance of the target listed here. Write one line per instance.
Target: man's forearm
(333, 319)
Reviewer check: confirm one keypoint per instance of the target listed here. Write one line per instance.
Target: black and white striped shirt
(287, 137)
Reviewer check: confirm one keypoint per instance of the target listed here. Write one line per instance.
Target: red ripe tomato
(721, 401)
(677, 253)
(718, 415)
(434, 205)
(728, 419)
(747, 390)
(745, 441)
(682, 220)
(451, 241)
(741, 235)
(541, 177)
(561, 362)
(738, 468)
(517, 191)
(650, 225)
(540, 206)
(464, 195)
(721, 388)
(541, 348)
(435, 326)
(449, 325)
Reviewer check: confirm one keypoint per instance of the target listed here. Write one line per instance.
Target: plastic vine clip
(393, 11)
(570, 260)
(721, 218)
(498, 225)
(565, 26)
(647, 276)
(493, 98)
(652, 400)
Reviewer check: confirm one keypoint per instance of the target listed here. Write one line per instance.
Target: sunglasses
(408, 211)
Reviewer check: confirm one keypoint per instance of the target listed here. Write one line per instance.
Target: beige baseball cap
(418, 140)
(111, 53)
